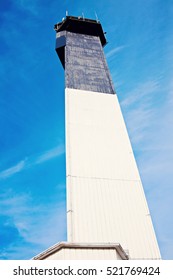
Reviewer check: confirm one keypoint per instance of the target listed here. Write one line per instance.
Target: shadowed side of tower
(107, 211)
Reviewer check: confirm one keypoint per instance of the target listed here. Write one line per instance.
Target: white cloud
(48, 227)
(139, 109)
(29, 5)
(138, 123)
(36, 231)
(142, 92)
(114, 51)
(50, 154)
(13, 170)
(30, 162)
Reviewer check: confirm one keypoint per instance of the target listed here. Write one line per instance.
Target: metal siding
(84, 58)
(105, 198)
(99, 144)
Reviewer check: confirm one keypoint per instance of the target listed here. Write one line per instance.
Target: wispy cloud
(29, 5)
(30, 162)
(13, 170)
(33, 230)
(114, 51)
(138, 120)
(139, 109)
(142, 92)
(50, 154)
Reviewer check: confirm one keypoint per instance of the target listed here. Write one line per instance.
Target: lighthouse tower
(107, 212)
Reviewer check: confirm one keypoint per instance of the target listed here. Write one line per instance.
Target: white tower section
(105, 198)
(106, 203)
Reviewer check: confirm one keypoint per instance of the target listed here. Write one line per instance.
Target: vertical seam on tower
(69, 168)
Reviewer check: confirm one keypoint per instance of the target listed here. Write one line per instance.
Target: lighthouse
(107, 211)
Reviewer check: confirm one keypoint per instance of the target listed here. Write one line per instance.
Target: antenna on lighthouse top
(66, 13)
(83, 16)
(96, 17)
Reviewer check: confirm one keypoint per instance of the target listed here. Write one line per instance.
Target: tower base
(83, 251)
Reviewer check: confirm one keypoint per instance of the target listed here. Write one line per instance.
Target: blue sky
(32, 149)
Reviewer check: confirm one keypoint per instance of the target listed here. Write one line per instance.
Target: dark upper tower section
(79, 45)
(78, 25)
(82, 26)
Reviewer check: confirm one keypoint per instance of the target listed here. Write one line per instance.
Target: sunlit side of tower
(106, 204)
